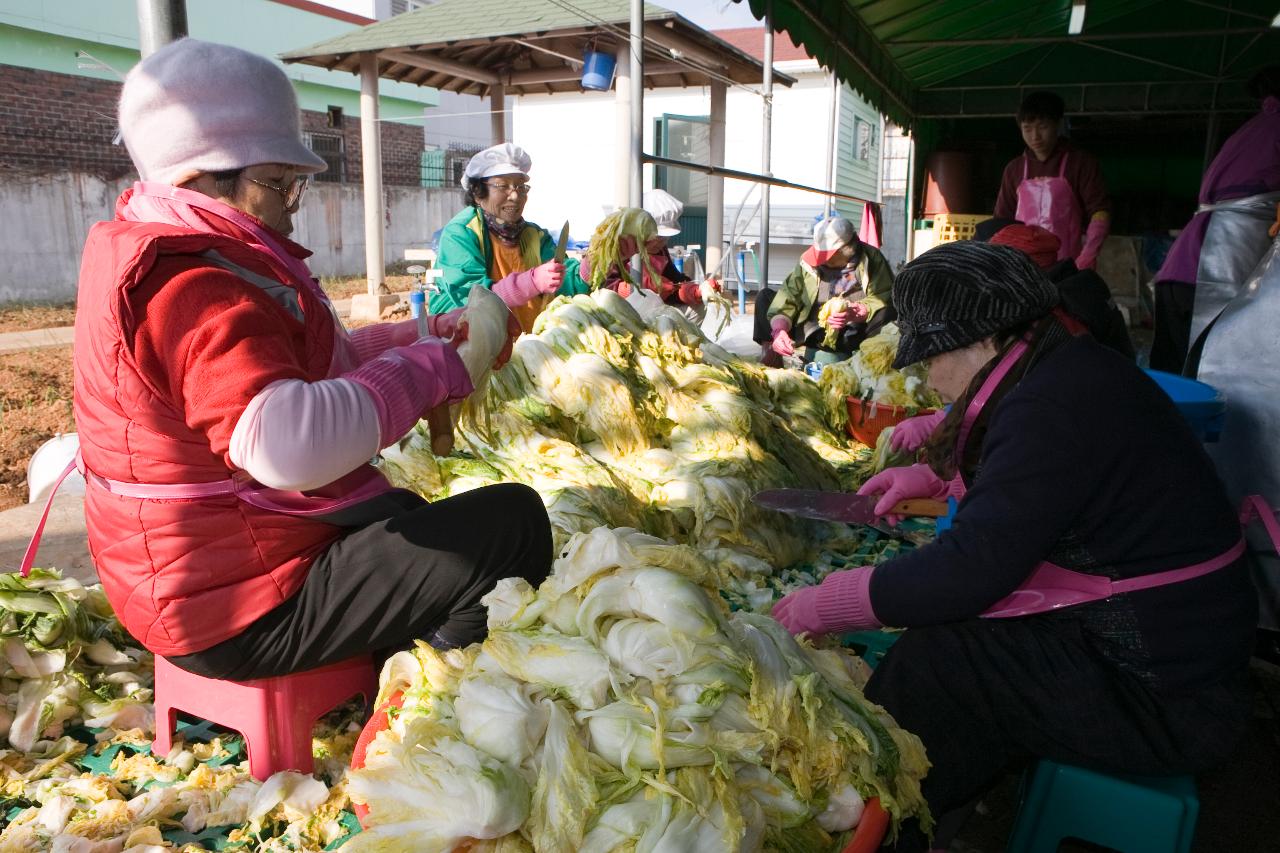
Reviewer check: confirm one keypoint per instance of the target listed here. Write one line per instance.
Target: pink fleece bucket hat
(194, 106)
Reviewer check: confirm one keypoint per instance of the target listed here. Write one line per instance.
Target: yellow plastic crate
(948, 227)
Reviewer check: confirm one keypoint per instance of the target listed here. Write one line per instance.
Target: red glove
(842, 602)
(911, 434)
(782, 343)
(444, 325)
(895, 485)
(689, 294)
(858, 312)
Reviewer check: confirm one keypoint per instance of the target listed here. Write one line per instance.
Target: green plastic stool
(871, 646)
(1132, 814)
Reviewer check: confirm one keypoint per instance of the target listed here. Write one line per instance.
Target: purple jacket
(1248, 164)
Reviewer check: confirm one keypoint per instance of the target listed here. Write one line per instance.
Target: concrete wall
(48, 216)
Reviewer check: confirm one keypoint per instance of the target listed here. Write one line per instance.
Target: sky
(712, 14)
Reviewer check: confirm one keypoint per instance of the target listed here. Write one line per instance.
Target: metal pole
(371, 158)
(160, 22)
(715, 186)
(833, 131)
(1210, 140)
(767, 150)
(636, 194)
(910, 212)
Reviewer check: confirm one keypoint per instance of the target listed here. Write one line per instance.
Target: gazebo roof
(530, 47)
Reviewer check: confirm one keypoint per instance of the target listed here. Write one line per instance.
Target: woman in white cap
(490, 244)
(227, 419)
(673, 286)
(838, 264)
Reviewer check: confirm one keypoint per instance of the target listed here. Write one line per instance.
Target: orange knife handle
(920, 507)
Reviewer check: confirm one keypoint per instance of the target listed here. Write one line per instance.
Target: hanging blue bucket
(597, 70)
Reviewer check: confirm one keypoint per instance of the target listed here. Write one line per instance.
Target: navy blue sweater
(1088, 464)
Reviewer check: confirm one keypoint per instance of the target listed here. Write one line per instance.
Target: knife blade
(842, 506)
(562, 245)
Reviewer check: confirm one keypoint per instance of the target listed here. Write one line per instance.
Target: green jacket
(799, 291)
(466, 253)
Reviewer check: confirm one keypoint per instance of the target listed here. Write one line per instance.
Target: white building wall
(572, 140)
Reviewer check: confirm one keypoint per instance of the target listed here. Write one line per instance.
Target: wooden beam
(448, 66)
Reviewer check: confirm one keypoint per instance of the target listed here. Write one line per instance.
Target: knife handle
(920, 507)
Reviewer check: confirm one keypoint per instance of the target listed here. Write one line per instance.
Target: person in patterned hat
(1091, 601)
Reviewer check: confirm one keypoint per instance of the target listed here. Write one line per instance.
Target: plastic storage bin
(949, 227)
(1201, 404)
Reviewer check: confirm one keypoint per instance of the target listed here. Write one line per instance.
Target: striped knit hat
(959, 293)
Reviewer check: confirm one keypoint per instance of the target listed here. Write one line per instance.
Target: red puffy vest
(182, 575)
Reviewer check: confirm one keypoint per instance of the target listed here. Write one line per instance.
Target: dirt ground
(35, 385)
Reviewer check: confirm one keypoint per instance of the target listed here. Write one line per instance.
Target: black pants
(1175, 301)
(987, 695)
(417, 576)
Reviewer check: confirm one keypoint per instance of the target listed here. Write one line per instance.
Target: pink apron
(1051, 587)
(1051, 203)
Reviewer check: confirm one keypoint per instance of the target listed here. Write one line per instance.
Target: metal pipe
(833, 132)
(1081, 39)
(160, 22)
(622, 126)
(635, 156)
(735, 174)
(371, 159)
(715, 186)
(766, 153)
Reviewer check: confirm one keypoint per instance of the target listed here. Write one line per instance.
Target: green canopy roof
(919, 59)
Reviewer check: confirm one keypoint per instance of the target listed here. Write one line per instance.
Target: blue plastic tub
(1202, 405)
(597, 70)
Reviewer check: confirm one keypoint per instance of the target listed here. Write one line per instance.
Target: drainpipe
(766, 154)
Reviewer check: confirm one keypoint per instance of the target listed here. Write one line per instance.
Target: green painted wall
(855, 176)
(46, 36)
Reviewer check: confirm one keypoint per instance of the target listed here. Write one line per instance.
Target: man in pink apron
(1091, 602)
(227, 419)
(1055, 185)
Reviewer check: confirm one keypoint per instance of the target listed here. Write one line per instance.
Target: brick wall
(52, 123)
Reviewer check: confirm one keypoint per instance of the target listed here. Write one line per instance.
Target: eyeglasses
(521, 190)
(292, 194)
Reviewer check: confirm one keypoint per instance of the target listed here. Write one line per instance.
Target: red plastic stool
(275, 715)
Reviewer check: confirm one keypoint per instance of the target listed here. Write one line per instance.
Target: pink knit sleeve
(373, 341)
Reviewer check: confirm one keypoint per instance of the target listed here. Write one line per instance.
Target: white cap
(194, 106)
(665, 210)
(830, 235)
(504, 159)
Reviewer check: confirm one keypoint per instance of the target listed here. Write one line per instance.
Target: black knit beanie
(959, 293)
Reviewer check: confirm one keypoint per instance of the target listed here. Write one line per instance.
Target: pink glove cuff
(779, 324)
(844, 601)
(407, 381)
(516, 289)
(956, 488)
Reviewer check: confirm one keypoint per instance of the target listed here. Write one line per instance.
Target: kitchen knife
(842, 506)
(562, 245)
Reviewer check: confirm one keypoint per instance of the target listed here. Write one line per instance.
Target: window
(864, 140)
(328, 146)
(399, 7)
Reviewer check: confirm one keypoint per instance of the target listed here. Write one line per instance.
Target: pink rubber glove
(911, 434)
(406, 382)
(782, 343)
(842, 602)
(1093, 240)
(858, 312)
(548, 277)
(444, 325)
(895, 485)
(838, 321)
(689, 295)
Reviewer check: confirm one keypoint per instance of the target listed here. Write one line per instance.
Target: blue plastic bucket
(1202, 405)
(597, 70)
